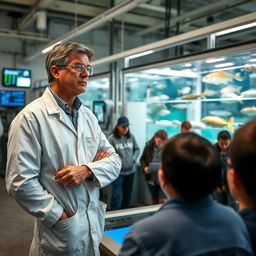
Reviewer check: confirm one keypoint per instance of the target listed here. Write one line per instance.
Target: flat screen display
(12, 98)
(99, 110)
(118, 234)
(16, 77)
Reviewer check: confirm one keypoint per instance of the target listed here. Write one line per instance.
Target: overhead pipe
(91, 24)
(17, 34)
(31, 15)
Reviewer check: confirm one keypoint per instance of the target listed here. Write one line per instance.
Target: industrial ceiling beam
(180, 39)
(91, 24)
(16, 34)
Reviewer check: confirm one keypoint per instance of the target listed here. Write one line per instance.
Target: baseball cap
(123, 121)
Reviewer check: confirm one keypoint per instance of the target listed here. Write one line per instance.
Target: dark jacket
(182, 228)
(249, 217)
(224, 158)
(147, 157)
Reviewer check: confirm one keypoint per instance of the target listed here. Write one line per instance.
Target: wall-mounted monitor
(16, 77)
(102, 109)
(12, 98)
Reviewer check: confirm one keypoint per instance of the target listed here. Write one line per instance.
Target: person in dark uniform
(222, 193)
(242, 175)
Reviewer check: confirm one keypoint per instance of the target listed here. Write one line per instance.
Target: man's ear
(232, 174)
(54, 71)
(233, 177)
(163, 180)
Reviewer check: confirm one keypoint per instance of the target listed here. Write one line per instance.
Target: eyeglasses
(79, 68)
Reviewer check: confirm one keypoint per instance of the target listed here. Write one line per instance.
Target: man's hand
(146, 170)
(71, 175)
(63, 216)
(100, 155)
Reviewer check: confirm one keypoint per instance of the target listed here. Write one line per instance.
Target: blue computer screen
(12, 98)
(118, 234)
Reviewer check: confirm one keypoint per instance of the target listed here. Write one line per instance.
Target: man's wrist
(89, 173)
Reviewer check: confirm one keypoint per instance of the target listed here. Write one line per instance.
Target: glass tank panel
(97, 89)
(213, 93)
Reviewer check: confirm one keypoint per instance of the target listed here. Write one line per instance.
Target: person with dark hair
(128, 150)
(58, 159)
(150, 163)
(191, 222)
(241, 175)
(222, 193)
(186, 126)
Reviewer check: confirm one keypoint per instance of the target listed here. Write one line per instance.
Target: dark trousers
(121, 192)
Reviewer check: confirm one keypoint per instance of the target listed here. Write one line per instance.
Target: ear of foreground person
(190, 222)
(241, 175)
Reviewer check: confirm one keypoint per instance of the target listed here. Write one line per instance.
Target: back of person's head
(186, 126)
(224, 135)
(191, 164)
(60, 53)
(243, 156)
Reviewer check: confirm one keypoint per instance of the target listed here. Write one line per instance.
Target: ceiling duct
(91, 24)
(32, 14)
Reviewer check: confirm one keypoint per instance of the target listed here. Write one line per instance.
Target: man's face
(224, 145)
(69, 80)
(122, 129)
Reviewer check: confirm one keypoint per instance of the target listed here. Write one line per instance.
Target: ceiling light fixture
(47, 49)
(213, 60)
(227, 64)
(231, 30)
(137, 55)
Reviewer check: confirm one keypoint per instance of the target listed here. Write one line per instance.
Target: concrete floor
(16, 226)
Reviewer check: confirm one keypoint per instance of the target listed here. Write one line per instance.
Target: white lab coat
(42, 140)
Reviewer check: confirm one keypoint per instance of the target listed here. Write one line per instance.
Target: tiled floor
(16, 226)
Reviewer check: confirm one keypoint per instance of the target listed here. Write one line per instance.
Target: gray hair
(59, 55)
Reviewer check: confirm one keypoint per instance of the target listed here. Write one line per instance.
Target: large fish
(250, 68)
(218, 112)
(230, 89)
(184, 90)
(249, 111)
(219, 122)
(210, 93)
(164, 122)
(197, 125)
(249, 93)
(220, 77)
(193, 96)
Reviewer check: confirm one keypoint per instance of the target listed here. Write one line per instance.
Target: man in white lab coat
(58, 158)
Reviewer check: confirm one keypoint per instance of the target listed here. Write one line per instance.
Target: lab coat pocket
(63, 237)
(100, 222)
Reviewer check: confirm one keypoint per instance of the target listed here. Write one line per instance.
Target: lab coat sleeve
(23, 170)
(107, 169)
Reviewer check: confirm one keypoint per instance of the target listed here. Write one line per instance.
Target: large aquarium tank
(98, 88)
(214, 91)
